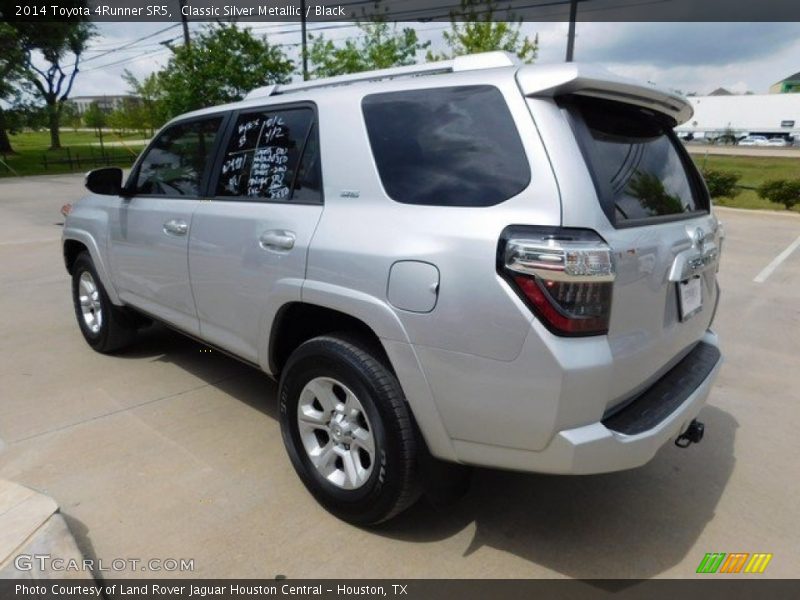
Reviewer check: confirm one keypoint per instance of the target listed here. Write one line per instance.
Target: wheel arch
(76, 241)
(299, 321)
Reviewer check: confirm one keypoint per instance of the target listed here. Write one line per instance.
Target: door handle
(277, 240)
(176, 227)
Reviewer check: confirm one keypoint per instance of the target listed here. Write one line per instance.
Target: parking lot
(167, 451)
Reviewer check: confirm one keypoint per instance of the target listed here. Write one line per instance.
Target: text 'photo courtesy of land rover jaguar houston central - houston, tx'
(472, 262)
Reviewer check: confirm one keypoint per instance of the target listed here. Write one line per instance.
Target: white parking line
(770, 268)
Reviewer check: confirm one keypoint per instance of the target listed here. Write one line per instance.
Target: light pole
(573, 15)
(303, 43)
(185, 24)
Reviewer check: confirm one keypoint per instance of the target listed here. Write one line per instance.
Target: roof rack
(470, 62)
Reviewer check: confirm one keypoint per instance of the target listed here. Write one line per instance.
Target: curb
(30, 526)
(757, 211)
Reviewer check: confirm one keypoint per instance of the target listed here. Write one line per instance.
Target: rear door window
(640, 169)
(455, 146)
(273, 156)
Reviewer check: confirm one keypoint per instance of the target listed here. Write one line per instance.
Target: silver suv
(471, 262)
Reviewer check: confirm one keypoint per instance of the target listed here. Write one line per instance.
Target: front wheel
(105, 327)
(348, 430)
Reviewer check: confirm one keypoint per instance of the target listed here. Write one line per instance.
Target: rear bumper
(628, 439)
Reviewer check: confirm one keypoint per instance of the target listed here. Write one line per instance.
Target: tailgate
(623, 173)
(662, 301)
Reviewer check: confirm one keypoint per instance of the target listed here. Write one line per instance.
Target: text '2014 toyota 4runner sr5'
(473, 261)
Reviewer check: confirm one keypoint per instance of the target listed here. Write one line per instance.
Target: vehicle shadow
(633, 524)
(245, 383)
(80, 532)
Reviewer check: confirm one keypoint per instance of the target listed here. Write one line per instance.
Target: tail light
(565, 276)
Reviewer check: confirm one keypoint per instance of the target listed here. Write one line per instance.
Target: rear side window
(273, 155)
(455, 146)
(174, 164)
(640, 170)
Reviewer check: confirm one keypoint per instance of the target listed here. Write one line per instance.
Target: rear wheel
(348, 430)
(105, 327)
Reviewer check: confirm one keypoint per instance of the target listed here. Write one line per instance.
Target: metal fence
(78, 161)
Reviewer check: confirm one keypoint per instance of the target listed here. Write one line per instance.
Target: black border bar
(735, 588)
(244, 11)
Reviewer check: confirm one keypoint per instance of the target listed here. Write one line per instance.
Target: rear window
(639, 167)
(455, 146)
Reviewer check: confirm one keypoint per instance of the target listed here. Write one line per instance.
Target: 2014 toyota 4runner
(477, 261)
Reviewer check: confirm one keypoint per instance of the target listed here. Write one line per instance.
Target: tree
(379, 47)
(118, 120)
(128, 116)
(70, 116)
(151, 111)
(11, 72)
(95, 118)
(221, 65)
(57, 41)
(474, 29)
(31, 115)
(781, 191)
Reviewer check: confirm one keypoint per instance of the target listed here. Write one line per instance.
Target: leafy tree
(14, 120)
(70, 116)
(221, 65)
(722, 184)
(12, 59)
(379, 46)
(95, 118)
(118, 120)
(26, 114)
(58, 42)
(475, 29)
(151, 111)
(127, 117)
(781, 191)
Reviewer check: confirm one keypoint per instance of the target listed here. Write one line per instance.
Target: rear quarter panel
(363, 232)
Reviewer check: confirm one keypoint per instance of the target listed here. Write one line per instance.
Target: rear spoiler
(590, 80)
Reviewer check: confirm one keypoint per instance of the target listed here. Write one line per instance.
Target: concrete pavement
(169, 452)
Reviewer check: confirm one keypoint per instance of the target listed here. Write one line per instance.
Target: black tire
(117, 329)
(392, 485)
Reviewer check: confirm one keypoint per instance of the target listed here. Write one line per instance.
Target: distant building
(771, 115)
(786, 86)
(107, 104)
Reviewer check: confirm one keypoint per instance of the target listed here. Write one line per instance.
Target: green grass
(754, 171)
(32, 148)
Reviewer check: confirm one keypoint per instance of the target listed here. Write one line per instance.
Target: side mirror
(106, 181)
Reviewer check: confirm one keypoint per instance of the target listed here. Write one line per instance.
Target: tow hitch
(692, 435)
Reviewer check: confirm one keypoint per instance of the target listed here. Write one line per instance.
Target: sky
(690, 57)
